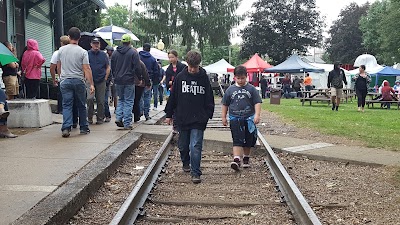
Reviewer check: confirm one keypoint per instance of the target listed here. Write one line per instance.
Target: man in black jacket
(336, 78)
(124, 67)
(192, 103)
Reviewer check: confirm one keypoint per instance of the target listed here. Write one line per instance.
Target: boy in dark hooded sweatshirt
(336, 78)
(192, 103)
(125, 66)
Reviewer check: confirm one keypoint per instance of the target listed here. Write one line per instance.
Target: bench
(29, 113)
(303, 100)
(371, 102)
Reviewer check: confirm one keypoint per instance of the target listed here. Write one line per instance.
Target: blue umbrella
(114, 33)
(6, 56)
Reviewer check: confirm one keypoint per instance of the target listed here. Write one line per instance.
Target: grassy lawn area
(377, 127)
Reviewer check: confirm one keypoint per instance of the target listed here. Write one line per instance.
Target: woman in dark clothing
(173, 69)
(141, 82)
(362, 80)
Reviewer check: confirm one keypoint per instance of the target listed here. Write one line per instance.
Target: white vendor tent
(219, 67)
(156, 53)
(320, 80)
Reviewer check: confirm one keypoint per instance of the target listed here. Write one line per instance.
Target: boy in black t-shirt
(244, 104)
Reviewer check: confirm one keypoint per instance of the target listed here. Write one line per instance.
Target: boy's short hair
(74, 33)
(240, 71)
(64, 39)
(193, 58)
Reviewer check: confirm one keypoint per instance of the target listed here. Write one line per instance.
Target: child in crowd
(191, 103)
(244, 104)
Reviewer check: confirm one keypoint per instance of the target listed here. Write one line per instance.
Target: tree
(390, 35)
(85, 16)
(117, 15)
(280, 27)
(197, 22)
(371, 26)
(345, 42)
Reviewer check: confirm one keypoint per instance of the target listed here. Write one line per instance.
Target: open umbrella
(6, 56)
(86, 38)
(114, 33)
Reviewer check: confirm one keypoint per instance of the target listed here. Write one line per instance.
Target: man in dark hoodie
(192, 103)
(124, 67)
(336, 78)
(154, 74)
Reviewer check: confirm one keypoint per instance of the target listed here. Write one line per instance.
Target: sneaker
(90, 121)
(65, 133)
(75, 125)
(128, 127)
(186, 168)
(85, 131)
(235, 165)
(196, 179)
(246, 163)
(107, 120)
(119, 123)
(148, 118)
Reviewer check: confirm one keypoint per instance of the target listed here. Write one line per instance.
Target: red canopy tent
(254, 65)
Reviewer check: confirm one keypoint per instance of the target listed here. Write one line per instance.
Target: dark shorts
(241, 135)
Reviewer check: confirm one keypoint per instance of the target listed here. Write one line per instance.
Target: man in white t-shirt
(64, 40)
(73, 61)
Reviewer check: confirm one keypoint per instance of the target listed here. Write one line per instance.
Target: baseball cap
(95, 40)
(126, 38)
(109, 48)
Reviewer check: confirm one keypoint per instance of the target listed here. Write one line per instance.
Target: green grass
(379, 128)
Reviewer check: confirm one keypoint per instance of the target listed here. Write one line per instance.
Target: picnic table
(348, 93)
(318, 95)
(373, 97)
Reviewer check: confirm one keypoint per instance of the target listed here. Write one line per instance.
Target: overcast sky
(328, 8)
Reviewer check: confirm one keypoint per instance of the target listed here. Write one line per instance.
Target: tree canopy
(197, 22)
(86, 18)
(280, 27)
(345, 42)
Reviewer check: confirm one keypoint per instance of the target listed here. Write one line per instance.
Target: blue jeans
(107, 113)
(3, 100)
(74, 91)
(155, 94)
(145, 102)
(190, 147)
(126, 97)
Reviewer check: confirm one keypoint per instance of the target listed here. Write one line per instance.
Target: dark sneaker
(128, 127)
(74, 125)
(65, 133)
(246, 162)
(186, 168)
(85, 131)
(107, 120)
(148, 118)
(235, 165)
(196, 179)
(119, 123)
(90, 121)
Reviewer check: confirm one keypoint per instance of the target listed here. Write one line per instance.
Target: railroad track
(262, 194)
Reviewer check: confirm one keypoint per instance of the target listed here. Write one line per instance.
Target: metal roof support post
(59, 22)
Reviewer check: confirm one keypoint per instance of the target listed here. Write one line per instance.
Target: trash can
(275, 96)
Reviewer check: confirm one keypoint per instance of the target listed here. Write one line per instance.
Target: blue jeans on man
(107, 112)
(190, 146)
(145, 102)
(126, 97)
(74, 92)
(155, 94)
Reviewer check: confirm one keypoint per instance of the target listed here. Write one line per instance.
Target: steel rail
(133, 205)
(298, 205)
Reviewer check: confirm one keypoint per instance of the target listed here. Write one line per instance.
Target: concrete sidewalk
(36, 164)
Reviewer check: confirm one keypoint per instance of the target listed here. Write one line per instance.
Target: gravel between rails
(105, 203)
(222, 197)
(346, 194)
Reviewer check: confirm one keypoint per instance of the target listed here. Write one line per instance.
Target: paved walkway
(34, 165)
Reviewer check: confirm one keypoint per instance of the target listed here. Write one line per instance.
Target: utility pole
(130, 17)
